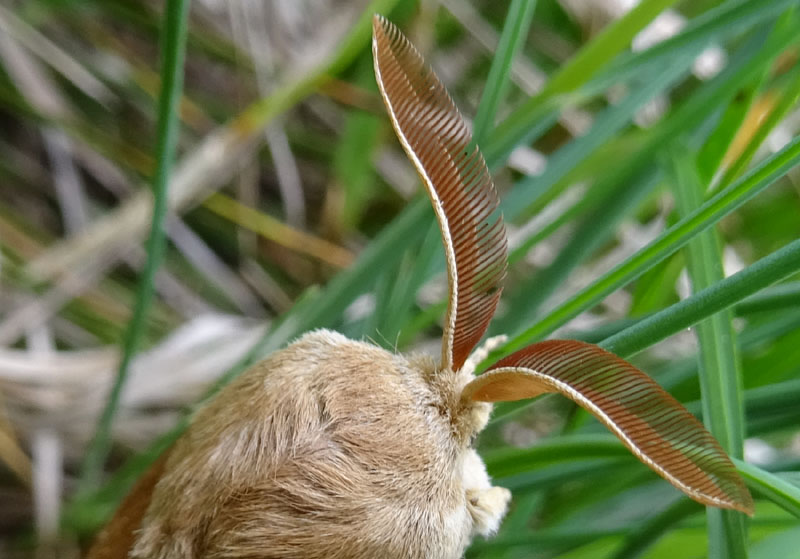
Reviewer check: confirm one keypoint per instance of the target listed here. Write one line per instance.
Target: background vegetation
(649, 183)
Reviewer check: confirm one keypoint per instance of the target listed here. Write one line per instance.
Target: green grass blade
(515, 30)
(594, 56)
(173, 49)
(329, 303)
(607, 124)
(763, 400)
(770, 486)
(777, 544)
(517, 521)
(720, 205)
(725, 20)
(539, 465)
(780, 297)
(653, 528)
(718, 23)
(720, 377)
(747, 63)
(711, 155)
(87, 513)
(770, 269)
(539, 478)
(786, 101)
(720, 374)
(510, 461)
(594, 230)
(397, 309)
(545, 540)
(353, 156)
(603, 446)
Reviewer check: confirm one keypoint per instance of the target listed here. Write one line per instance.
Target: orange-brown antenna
(437, 140)
(650, 422)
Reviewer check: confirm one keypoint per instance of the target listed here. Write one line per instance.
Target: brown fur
(116, 539)
(331, 449)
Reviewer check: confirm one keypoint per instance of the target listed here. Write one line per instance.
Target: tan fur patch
(329, 448)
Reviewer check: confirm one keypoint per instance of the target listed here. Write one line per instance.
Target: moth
(333, 448)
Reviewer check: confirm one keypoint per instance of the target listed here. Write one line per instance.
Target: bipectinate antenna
(439, 143)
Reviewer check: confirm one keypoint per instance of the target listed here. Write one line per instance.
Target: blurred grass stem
(173, 49)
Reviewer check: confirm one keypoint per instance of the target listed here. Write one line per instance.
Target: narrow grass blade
(786, 100)
(172, 55)
(781, 492)
(353, 167)
(515, 30)
(563, 449)
(658, 326)
(555, 542)
(207, 164)
(594, 230)
(517, 128)
(534, 116)
(277, 231)
(516, 522)
(397, 309)
(720, 375)
(324, 308)
(745, 64)
(725, 20)
(653, 528)
(577, 448)
(781, 296)
(606, 126)
(720, 205)
(722, 137)
(724, 293)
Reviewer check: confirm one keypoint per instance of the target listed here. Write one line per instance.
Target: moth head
(652, 424)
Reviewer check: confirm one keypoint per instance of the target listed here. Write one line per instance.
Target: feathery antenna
(652, 424)
(439, 143)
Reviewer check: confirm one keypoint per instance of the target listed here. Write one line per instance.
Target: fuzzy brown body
(329, 448)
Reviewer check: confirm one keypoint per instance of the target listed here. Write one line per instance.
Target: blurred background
(292, 206)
